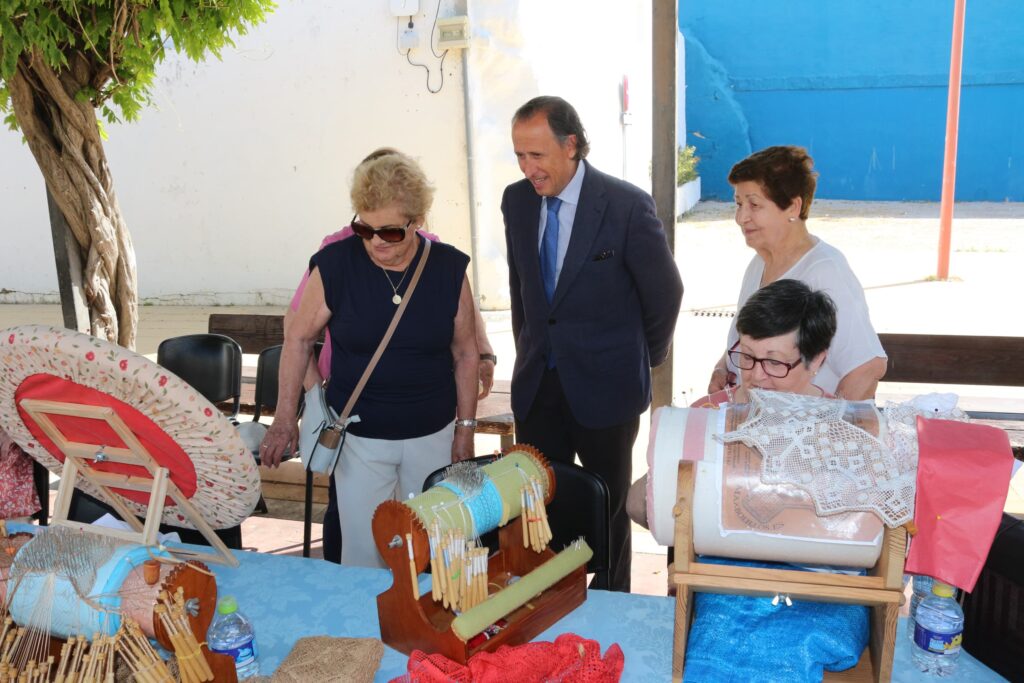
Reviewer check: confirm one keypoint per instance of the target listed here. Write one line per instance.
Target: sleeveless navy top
(411, 392)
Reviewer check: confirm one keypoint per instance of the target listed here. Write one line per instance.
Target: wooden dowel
(412, 567)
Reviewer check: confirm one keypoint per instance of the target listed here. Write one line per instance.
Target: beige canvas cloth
(329, 660)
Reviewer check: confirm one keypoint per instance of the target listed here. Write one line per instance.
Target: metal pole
(952, 125)
(665, 25)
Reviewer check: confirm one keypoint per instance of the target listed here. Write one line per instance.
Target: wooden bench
(963, 360)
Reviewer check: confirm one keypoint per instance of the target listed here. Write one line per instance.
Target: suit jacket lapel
(585, 227)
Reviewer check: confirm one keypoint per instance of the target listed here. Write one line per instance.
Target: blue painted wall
(862, 85)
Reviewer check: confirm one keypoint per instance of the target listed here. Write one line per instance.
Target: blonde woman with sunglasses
(417, 410)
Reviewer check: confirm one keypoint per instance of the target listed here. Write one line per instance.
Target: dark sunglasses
(389, 233)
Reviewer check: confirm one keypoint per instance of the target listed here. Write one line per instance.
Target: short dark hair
(784, 171)
(785, 306)
(562, 119)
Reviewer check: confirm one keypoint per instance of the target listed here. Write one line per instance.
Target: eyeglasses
(389, 233)
(773, 368)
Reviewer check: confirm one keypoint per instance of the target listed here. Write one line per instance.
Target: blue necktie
(549, 249)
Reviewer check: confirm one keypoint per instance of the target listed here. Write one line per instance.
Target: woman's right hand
(720, 378)
(282, 438)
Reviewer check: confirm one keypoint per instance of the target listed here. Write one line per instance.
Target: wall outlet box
(404, 8)
(409, 40)
(453, 33)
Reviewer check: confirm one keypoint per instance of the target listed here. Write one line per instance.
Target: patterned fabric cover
(227, 483)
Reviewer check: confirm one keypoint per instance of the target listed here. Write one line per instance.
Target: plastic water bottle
(938, 631)
(232, 634)
(922, 589)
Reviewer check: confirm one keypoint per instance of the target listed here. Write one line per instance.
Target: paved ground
(893, 248)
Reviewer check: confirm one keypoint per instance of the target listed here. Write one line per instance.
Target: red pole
(952, 125)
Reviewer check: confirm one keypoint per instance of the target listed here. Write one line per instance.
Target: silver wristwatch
(466, 422)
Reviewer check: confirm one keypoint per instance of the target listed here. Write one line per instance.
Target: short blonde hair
(391, 179)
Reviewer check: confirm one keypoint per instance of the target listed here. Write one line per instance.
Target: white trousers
(371, 471)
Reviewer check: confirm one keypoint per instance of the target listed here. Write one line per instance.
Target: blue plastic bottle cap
(227, 605)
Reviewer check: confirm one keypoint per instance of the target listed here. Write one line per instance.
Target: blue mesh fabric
(738, 638)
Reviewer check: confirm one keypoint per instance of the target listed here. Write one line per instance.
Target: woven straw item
(329, 660)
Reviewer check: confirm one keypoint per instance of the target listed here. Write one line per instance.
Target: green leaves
(120, 41)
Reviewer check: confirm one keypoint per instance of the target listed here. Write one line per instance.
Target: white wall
(229, 183)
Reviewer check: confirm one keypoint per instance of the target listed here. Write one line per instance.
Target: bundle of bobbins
(511, 595)
(44, 635)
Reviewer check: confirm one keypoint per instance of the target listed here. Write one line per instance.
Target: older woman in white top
(774, 189)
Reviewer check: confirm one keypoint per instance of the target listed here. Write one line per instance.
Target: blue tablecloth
(289, 597)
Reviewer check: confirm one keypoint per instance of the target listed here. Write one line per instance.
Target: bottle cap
(227, 605)
(943, 590)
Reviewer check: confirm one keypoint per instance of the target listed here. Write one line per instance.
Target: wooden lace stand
(78, 462)
(881, 589)
(409, 622)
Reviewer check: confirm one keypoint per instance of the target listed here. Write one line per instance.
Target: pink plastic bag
(963, 475)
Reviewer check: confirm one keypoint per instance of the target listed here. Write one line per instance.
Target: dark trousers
(608, 452)
(332, 527)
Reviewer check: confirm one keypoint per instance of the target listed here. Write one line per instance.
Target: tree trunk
(64, 138)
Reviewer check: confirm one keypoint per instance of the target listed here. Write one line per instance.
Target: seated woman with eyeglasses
(785, 330)
(427, 375)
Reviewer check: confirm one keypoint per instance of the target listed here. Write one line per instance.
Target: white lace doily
(812, 443)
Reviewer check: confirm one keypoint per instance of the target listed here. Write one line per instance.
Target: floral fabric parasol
(183, 431)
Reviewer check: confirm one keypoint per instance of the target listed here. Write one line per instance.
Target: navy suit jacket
(614, 309)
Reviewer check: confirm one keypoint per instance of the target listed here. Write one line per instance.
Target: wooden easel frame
(881, 589)
(78, 459)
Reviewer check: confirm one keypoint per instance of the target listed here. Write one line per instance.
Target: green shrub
(686, 164)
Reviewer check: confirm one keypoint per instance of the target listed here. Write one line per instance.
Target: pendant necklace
(397, 298)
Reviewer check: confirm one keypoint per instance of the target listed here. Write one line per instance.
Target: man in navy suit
(595, 297)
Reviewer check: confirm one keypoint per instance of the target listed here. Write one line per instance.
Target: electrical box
(404, 8)
(410, 39)
(453, 33)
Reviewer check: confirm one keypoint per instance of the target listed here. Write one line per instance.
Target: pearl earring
(792, 219)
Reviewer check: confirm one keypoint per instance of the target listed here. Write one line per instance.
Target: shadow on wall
(717, 125)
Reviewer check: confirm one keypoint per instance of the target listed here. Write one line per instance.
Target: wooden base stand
(881, 589)
(409, 621)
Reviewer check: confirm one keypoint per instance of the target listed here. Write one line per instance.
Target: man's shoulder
(519, 190)
(615, 188)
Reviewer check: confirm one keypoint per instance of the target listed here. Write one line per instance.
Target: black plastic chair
(211, 363)
(267, 366)
(580, 507)
(41, 480)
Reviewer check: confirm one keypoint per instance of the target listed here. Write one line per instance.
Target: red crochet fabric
(570, 659)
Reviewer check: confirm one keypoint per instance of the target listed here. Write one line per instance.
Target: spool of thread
(151, 572)
(505, 476)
